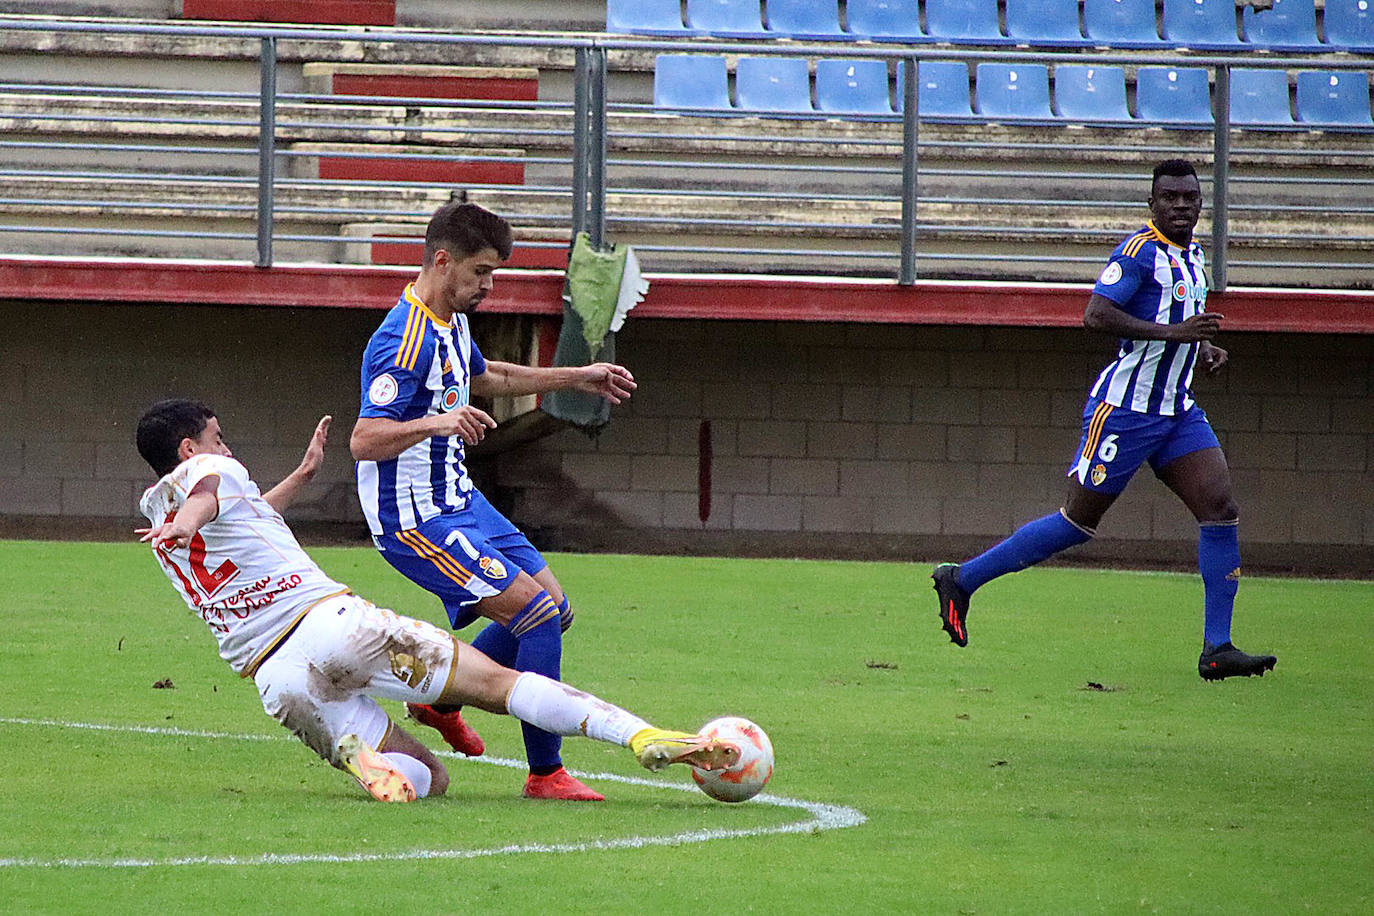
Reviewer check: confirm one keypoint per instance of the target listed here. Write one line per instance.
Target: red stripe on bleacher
(410, 252)
(437, 171)
(437, 87)
(325, 12)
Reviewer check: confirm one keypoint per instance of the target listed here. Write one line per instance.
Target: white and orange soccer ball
(750, 774)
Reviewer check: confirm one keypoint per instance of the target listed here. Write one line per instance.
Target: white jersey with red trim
(244, 572)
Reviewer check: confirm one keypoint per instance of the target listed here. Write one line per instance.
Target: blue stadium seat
(941, 91)
(1089, 92)
(1121, 23)
(1172, 96)
(969, 21)
(726, 18)
(1333, 97)
(691, 81)
(852, 86)
(773, 84)
(1201, 23)
(1044, 22)
(885, 20)
(1289, 24)
(1349, 24)
(1260, 97)
(1013, 91)
(805, 19)
(645, 17)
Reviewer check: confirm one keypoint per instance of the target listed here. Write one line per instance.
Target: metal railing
(584, 157)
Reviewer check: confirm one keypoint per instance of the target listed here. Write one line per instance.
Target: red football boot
(459, 735)
(562, 785)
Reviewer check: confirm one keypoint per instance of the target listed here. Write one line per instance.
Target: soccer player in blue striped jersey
(420, 369)
(1152, 296)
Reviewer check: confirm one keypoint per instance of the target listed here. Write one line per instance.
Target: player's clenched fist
(1202, 326)
(467, 423)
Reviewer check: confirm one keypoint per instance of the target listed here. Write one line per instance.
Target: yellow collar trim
(410, 296)
(1161, 237)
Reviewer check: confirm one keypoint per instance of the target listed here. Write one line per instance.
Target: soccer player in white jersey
(1152, 296)
(420, 369)
(320, 654)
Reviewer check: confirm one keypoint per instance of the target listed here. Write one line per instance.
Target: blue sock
(496, 643)
(1218, 559)
(540, 650)
(1028, 545)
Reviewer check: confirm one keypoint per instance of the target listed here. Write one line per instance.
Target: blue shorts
(1116, 441)
(462, 557)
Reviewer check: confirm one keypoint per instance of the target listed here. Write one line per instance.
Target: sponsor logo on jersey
(1111, 275)
(383, 390)
(452, 394)
(1185, 290)
(1099, 474)
(408, 668)
(493, 567)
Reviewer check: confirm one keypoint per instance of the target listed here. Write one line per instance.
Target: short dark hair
(1173, 167)
(164, 425)
(465, 229)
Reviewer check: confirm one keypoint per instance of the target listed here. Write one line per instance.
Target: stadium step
(403, 244)
(401, 163)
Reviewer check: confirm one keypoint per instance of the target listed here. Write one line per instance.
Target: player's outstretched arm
(285, 493)
(1102, 314)
(612, 382)
(201, 506)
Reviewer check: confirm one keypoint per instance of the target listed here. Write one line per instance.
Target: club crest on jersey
(383, 390)
(452, 395)
(492, 567)
(1110, 275)
(1099, 474)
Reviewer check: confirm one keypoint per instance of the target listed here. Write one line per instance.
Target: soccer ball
(750, 774)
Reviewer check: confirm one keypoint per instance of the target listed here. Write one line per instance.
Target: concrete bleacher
(369, 147)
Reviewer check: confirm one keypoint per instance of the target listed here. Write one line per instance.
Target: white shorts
(321, 682)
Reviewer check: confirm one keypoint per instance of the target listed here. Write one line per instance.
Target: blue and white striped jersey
(1153, 279)
(415, 366)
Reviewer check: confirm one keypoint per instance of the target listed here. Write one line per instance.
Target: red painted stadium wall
(676, 296)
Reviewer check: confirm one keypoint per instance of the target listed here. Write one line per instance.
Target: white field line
(822, 817)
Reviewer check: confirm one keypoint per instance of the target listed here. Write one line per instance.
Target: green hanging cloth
(601, 288)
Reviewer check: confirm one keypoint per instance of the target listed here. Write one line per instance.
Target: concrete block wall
(824, 438)
(895, 439)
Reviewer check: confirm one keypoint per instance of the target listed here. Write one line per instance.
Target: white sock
(412, 769)
(556, 707)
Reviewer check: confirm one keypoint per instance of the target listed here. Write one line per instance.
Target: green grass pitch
(992, 779)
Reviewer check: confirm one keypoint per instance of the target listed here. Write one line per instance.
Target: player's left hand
(165, 536)
(1212, 358)
(612, 382)
(314, 452)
